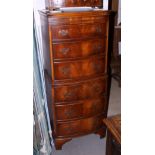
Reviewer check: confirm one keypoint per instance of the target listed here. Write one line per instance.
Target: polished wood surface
(90, 17)
(80, 90)
(78, 49)
(80, 126)
(53, 4)
(113, 124)
(79, 68)
(80, 31)
(80, 109)
(76, 55)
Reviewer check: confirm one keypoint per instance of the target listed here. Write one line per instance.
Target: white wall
(38, 5)
(105, 4)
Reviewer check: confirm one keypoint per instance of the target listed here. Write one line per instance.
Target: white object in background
(119, 47)
(38, 5)
(105, 4)
(119, 12)
(78, 9)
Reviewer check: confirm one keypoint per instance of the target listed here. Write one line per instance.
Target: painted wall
(105, 4)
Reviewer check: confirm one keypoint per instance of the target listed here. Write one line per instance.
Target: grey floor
(92, 144)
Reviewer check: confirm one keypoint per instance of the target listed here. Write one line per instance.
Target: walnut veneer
(75, 47)
(54, 4)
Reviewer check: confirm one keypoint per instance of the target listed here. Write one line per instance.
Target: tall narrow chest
(75, 48)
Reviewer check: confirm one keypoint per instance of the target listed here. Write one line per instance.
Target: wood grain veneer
(75, 47)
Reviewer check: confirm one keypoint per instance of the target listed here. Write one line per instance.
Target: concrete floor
(92, 144)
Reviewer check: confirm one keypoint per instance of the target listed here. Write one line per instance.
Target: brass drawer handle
(65, 70)
(68, 94)
(63, 32)
(97, 47)
(98, 30)
(65, 50)
(69, 112)
(97, 89)
(96, 67)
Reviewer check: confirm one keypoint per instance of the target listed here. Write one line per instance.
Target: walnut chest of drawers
(75, 48)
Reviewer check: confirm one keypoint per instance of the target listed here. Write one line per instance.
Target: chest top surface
(74, 14)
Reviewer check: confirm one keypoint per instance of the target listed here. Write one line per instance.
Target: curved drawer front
(86, 108)
(78, 91)
(79, 68)
(68, 32)
(79, 127)
(78, 18)
(79, 49)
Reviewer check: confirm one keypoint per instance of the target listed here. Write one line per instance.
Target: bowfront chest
(75, 48)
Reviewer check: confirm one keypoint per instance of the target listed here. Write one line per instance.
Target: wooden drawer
(78, 48)
(92, 88)
(79, 68)
(68, 32)
(82, 17)
(85, 108)
(80, 126)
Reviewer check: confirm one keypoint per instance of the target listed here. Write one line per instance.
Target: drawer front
(79, 68)
(68, 32)
(74, 3)
(78, 18)
(79, 126)
(86, 108)
(78, 49)
(82, 90)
